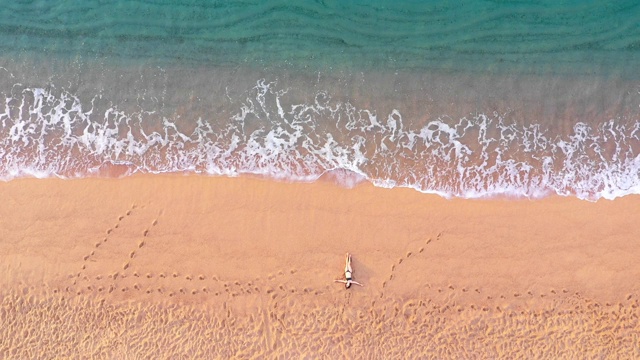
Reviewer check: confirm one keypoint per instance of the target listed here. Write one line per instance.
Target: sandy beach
(201, 267)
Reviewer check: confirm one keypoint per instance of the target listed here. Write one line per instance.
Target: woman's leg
(347, 266)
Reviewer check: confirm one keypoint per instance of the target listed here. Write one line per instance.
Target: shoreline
(256, 259)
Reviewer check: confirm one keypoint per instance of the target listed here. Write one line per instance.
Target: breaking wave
(46, 132)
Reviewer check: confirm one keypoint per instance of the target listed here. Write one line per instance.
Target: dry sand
(197, 267)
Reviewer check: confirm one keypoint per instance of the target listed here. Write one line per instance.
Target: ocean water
(463, 99)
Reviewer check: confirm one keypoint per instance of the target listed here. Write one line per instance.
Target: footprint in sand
(155, 222)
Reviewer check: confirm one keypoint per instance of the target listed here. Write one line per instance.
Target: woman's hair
(347, 284)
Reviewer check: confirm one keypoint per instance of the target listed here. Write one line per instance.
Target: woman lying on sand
(348, 272)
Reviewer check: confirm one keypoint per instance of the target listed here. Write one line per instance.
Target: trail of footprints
(140, 244)
(214, 286)
(99, 245)
(204, 285)
(220, 287)
(407, 256)
(575, 298)
(109, 231)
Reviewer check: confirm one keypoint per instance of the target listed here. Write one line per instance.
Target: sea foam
(48, 132)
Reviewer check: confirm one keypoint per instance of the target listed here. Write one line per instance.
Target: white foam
(49, 132)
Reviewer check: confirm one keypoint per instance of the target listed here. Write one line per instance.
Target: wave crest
(46, 132)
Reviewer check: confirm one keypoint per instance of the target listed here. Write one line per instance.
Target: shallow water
(472, 100)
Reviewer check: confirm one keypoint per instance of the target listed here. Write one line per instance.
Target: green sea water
(533, 37)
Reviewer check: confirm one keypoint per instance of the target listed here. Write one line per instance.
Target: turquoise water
(541, 37)
(462, 99)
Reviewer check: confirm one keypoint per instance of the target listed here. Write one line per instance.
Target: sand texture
(152, 267)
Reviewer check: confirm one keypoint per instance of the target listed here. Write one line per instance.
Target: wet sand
(198, 267)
